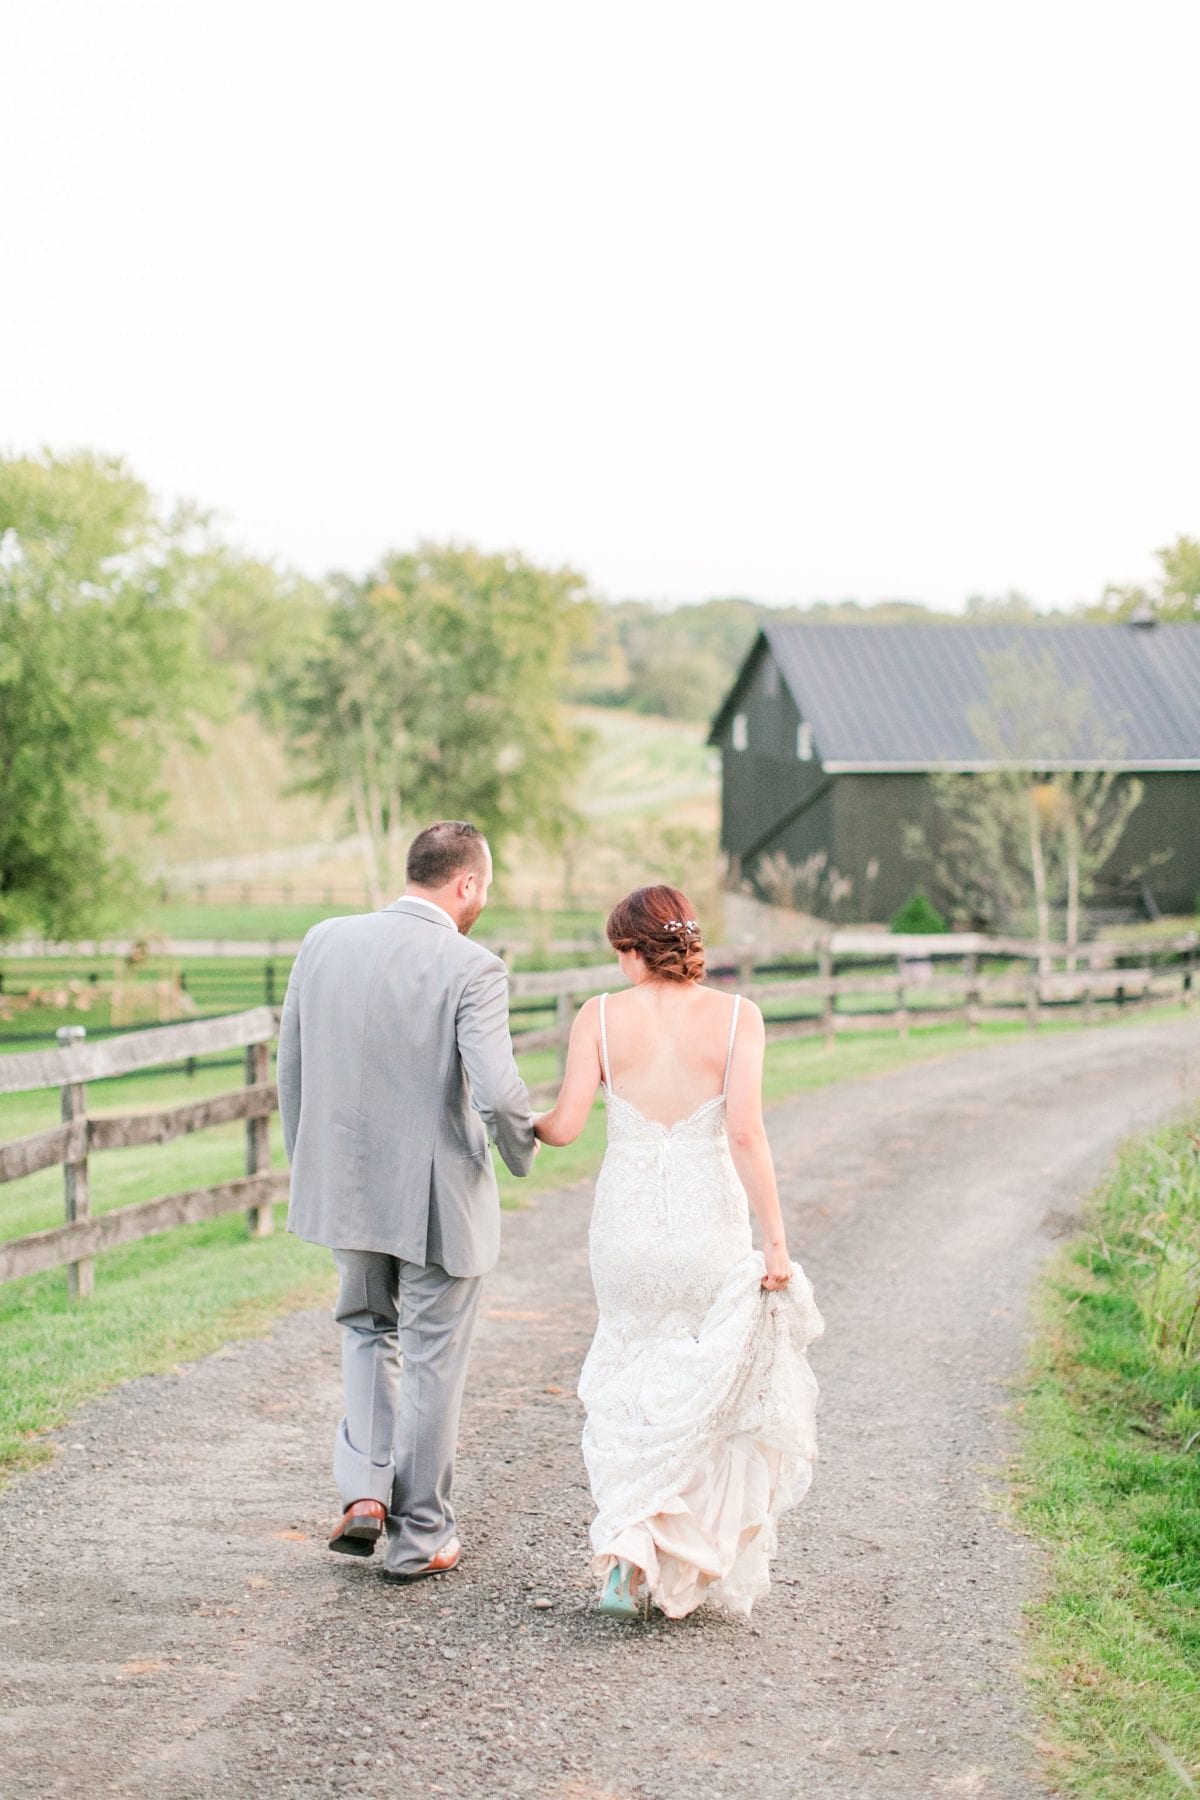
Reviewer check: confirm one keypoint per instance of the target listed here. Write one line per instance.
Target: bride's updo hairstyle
(658, 922)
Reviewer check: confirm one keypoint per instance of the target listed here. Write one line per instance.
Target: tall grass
(1157, 1226)
(1110, 1480)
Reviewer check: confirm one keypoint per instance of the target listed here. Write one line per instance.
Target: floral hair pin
(681, 925)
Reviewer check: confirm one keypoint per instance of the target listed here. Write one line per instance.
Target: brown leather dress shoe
(359, 1528)
(447, 1558)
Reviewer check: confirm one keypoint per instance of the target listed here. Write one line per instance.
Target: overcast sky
(785, 300)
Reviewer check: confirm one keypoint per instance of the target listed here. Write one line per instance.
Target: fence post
(77, 1203)
(1032, 997)
(1187, 995)
(825, 968)
(1088, 996)
(260, 1219)
(971, 1004)
(564, 1016)
(901, 1006)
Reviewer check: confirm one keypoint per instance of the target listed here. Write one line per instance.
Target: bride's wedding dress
(701, 1406)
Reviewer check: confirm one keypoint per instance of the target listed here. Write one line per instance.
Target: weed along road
(173, 1625)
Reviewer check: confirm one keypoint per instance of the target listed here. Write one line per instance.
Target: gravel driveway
(171, 1624)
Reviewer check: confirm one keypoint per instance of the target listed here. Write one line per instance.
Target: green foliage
(97, 665)
(918, 914)
(1175, 597)
(1150, 1217)
(435, 693)
(252, 615)
(1111, 1482)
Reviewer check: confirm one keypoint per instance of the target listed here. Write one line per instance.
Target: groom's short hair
(442, 850)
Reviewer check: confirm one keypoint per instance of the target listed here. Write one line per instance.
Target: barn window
(741, 736)
(804, 741)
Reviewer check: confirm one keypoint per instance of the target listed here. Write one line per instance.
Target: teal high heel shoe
(618, 1600)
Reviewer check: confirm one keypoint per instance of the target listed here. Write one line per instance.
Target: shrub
(919, 914)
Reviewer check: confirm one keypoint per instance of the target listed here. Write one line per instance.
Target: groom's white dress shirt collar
(419, 900)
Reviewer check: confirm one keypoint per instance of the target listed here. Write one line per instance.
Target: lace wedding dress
(701, 1406)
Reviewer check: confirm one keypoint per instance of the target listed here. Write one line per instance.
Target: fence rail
(77, 1242)
(906, 974)
(900, 971)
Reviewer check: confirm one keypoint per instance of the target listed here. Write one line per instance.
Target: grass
(191, 920)
(1110, 1483)
(40, 994)
(176, 1297)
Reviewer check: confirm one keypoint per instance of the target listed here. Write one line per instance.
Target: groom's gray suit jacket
(395, 1063)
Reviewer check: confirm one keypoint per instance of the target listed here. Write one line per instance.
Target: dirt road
(173, 1626)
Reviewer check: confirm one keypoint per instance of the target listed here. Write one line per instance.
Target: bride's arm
(581, 1077)
(748, 1144)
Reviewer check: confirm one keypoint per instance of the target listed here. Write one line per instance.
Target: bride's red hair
(658, 922)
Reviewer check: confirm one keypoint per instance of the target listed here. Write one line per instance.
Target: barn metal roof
(896, 697)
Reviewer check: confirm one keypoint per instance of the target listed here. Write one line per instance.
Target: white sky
(787, 300)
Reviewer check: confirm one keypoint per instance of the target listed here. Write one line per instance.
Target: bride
(701, 1407)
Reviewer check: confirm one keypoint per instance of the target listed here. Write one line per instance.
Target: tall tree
(1038, 826)
(97, 672)
(436, 692)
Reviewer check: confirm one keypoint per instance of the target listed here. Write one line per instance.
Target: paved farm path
(171, 1625)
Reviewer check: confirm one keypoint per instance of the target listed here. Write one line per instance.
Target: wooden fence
(920, 980)
(70, 1067)
(934, 980)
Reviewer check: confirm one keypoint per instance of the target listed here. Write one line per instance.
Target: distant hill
(650, 790)
(678, 662)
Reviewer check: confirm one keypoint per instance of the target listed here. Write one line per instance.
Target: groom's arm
(287, 1060)
(498, 1094)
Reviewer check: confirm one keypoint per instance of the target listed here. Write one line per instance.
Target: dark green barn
(829, 735)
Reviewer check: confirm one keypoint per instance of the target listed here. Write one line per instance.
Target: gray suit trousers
(406, 1337)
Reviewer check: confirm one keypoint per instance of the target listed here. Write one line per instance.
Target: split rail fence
(70, 1067)
(896, 983)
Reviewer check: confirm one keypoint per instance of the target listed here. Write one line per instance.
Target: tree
(1044, 818)
(1000, 609)
(97, 671)
(435, 692)
(1174, 598)
(253, 616)
(918, 916)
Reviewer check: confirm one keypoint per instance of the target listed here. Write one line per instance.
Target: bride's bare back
(668, 1043)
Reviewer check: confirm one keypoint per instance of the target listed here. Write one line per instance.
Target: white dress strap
(604, 1046)
(737, 1001)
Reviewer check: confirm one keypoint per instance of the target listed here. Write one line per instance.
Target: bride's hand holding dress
(700, 1403)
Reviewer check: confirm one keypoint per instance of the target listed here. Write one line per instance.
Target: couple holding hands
(395, 1068)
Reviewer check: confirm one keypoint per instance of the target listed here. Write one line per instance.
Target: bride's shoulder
(750, 1016)
(737, 1011)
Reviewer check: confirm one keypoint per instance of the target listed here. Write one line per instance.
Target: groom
(394, 1055)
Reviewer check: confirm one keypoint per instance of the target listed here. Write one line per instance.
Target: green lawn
(188, 920)
(1109, 1481)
